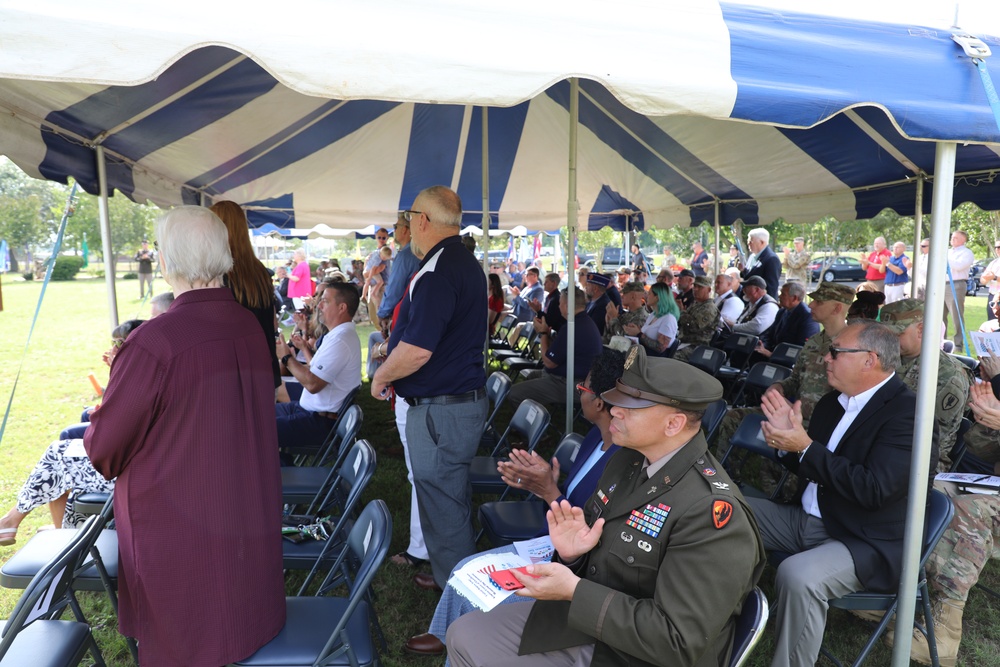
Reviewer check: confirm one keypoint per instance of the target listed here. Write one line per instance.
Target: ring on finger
(518, 480)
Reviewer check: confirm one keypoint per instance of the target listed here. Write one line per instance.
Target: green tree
(21, 225)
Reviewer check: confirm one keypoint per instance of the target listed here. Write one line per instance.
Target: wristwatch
(284, 360)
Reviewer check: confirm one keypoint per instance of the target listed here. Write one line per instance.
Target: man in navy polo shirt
(435, 364)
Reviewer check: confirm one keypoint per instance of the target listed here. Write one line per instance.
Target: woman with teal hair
(660, 329)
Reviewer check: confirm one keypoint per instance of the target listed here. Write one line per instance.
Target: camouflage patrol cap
(828, 291)
(633, 286)
(901, 314)
(659, 381)
(702, 281)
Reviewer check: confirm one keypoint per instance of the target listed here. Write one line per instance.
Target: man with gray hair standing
(435, 364)
(846, 531)
(762, 262)
(187, 427)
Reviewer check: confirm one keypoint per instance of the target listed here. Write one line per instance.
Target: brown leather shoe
(426, 582)
(425, 644)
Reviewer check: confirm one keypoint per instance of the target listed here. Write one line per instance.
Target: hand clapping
(985, 406)
(783, 429)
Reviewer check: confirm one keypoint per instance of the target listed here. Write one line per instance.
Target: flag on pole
(510, 248)
(86, 251)
(4, 257)
(538, 247)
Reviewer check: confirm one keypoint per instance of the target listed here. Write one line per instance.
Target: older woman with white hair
(188, 427)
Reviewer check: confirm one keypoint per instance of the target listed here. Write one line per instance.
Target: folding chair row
(499, 340)
(529, 421)
(326, 630)
(761, 376)
(308, 455)
(34, 635)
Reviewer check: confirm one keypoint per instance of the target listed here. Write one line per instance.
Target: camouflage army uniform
(973, 536)
(954, 380)
(797, 266)
(807, 383)
(696, 327)
(616, 327)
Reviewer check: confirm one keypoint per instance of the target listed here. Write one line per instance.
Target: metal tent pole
(486, 219)
(572, 212)
(918, 231)
(923, 429)
(718, 223)
(109, 260)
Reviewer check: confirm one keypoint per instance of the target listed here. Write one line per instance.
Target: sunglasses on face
(835, 351)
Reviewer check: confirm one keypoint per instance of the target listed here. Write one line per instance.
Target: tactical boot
(947, 615)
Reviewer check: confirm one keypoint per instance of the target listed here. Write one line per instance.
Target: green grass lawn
(73, 331)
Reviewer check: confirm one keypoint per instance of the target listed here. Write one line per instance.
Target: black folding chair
(708, 359)
(307, 485)
(939, 513)
(33, 636)
(325, 630)
(738, 348)
(498, 341)
(507, 522)
(529, 421)
(749, 627)
(309, 456)
(785, 354)
(343, 497)
(497, 389)
(761, 376)
(749, 440)
(712, 418)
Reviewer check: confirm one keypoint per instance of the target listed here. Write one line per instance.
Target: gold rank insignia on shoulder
(632, 354)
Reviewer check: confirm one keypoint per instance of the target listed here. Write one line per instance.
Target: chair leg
(887, 617)
(95, 651)
(928, 630)
(829, 656)
(133, 649)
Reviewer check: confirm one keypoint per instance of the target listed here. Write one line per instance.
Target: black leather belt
(328, 415)
(449, 399)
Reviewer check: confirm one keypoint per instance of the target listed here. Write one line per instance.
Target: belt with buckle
(328, 415)
(449, 399)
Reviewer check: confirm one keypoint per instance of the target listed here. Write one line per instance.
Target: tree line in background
(31, 210)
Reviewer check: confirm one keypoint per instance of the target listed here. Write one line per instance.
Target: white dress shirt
(852, 406)
(730, 308)
(960, 260)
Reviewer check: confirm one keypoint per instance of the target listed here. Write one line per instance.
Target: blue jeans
(299, 428)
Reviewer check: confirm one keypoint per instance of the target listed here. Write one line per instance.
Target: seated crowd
(655, 546)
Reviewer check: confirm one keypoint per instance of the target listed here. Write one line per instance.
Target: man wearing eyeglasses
(846, 532)
(435, 364)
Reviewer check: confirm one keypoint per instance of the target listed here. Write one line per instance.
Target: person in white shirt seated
(329, 376)
(760, 311)
(730, 306)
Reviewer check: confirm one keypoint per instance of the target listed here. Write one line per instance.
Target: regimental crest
(722, 512)
(632, 354)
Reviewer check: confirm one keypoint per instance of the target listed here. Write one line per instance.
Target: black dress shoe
(425, 644)
(426, 582)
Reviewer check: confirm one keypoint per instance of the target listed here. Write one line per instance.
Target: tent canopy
(837, 116)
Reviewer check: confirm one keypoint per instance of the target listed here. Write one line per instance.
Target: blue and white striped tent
(339, 113)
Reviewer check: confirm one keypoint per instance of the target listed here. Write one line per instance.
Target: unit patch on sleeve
(722, 512)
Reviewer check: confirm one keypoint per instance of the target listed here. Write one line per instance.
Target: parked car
(973, 286)
(836, 268)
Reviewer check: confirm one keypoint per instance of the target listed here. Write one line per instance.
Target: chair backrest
(48, 591)
(497, 388)
(348, 484)
(940, 510)
(708, 359)
(749, 626)
(506, 324)
(959, 449)
(348, 426)
(740, 346)
(530, 420)
(567, 450)
(749, 436)
(368, 545)
(712, 418)
(763, 374)
(970, 362)
(785, 354)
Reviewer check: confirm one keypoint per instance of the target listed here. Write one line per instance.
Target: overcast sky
(975, 16)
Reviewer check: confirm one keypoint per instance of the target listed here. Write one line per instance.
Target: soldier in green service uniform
(634, 301)
(807, 382)
(906, 318)
(656, 565)
(698, 323)
(797, 262)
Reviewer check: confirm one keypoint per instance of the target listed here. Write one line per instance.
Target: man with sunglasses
(655, 565)
(435, 364)
(845, 533)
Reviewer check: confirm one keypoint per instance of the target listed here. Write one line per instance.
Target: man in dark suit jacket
(764, 262)
(846, 533)
(794, 323)
(548, 309)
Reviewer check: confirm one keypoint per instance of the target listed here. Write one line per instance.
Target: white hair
(194, 245)
(759, 233)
